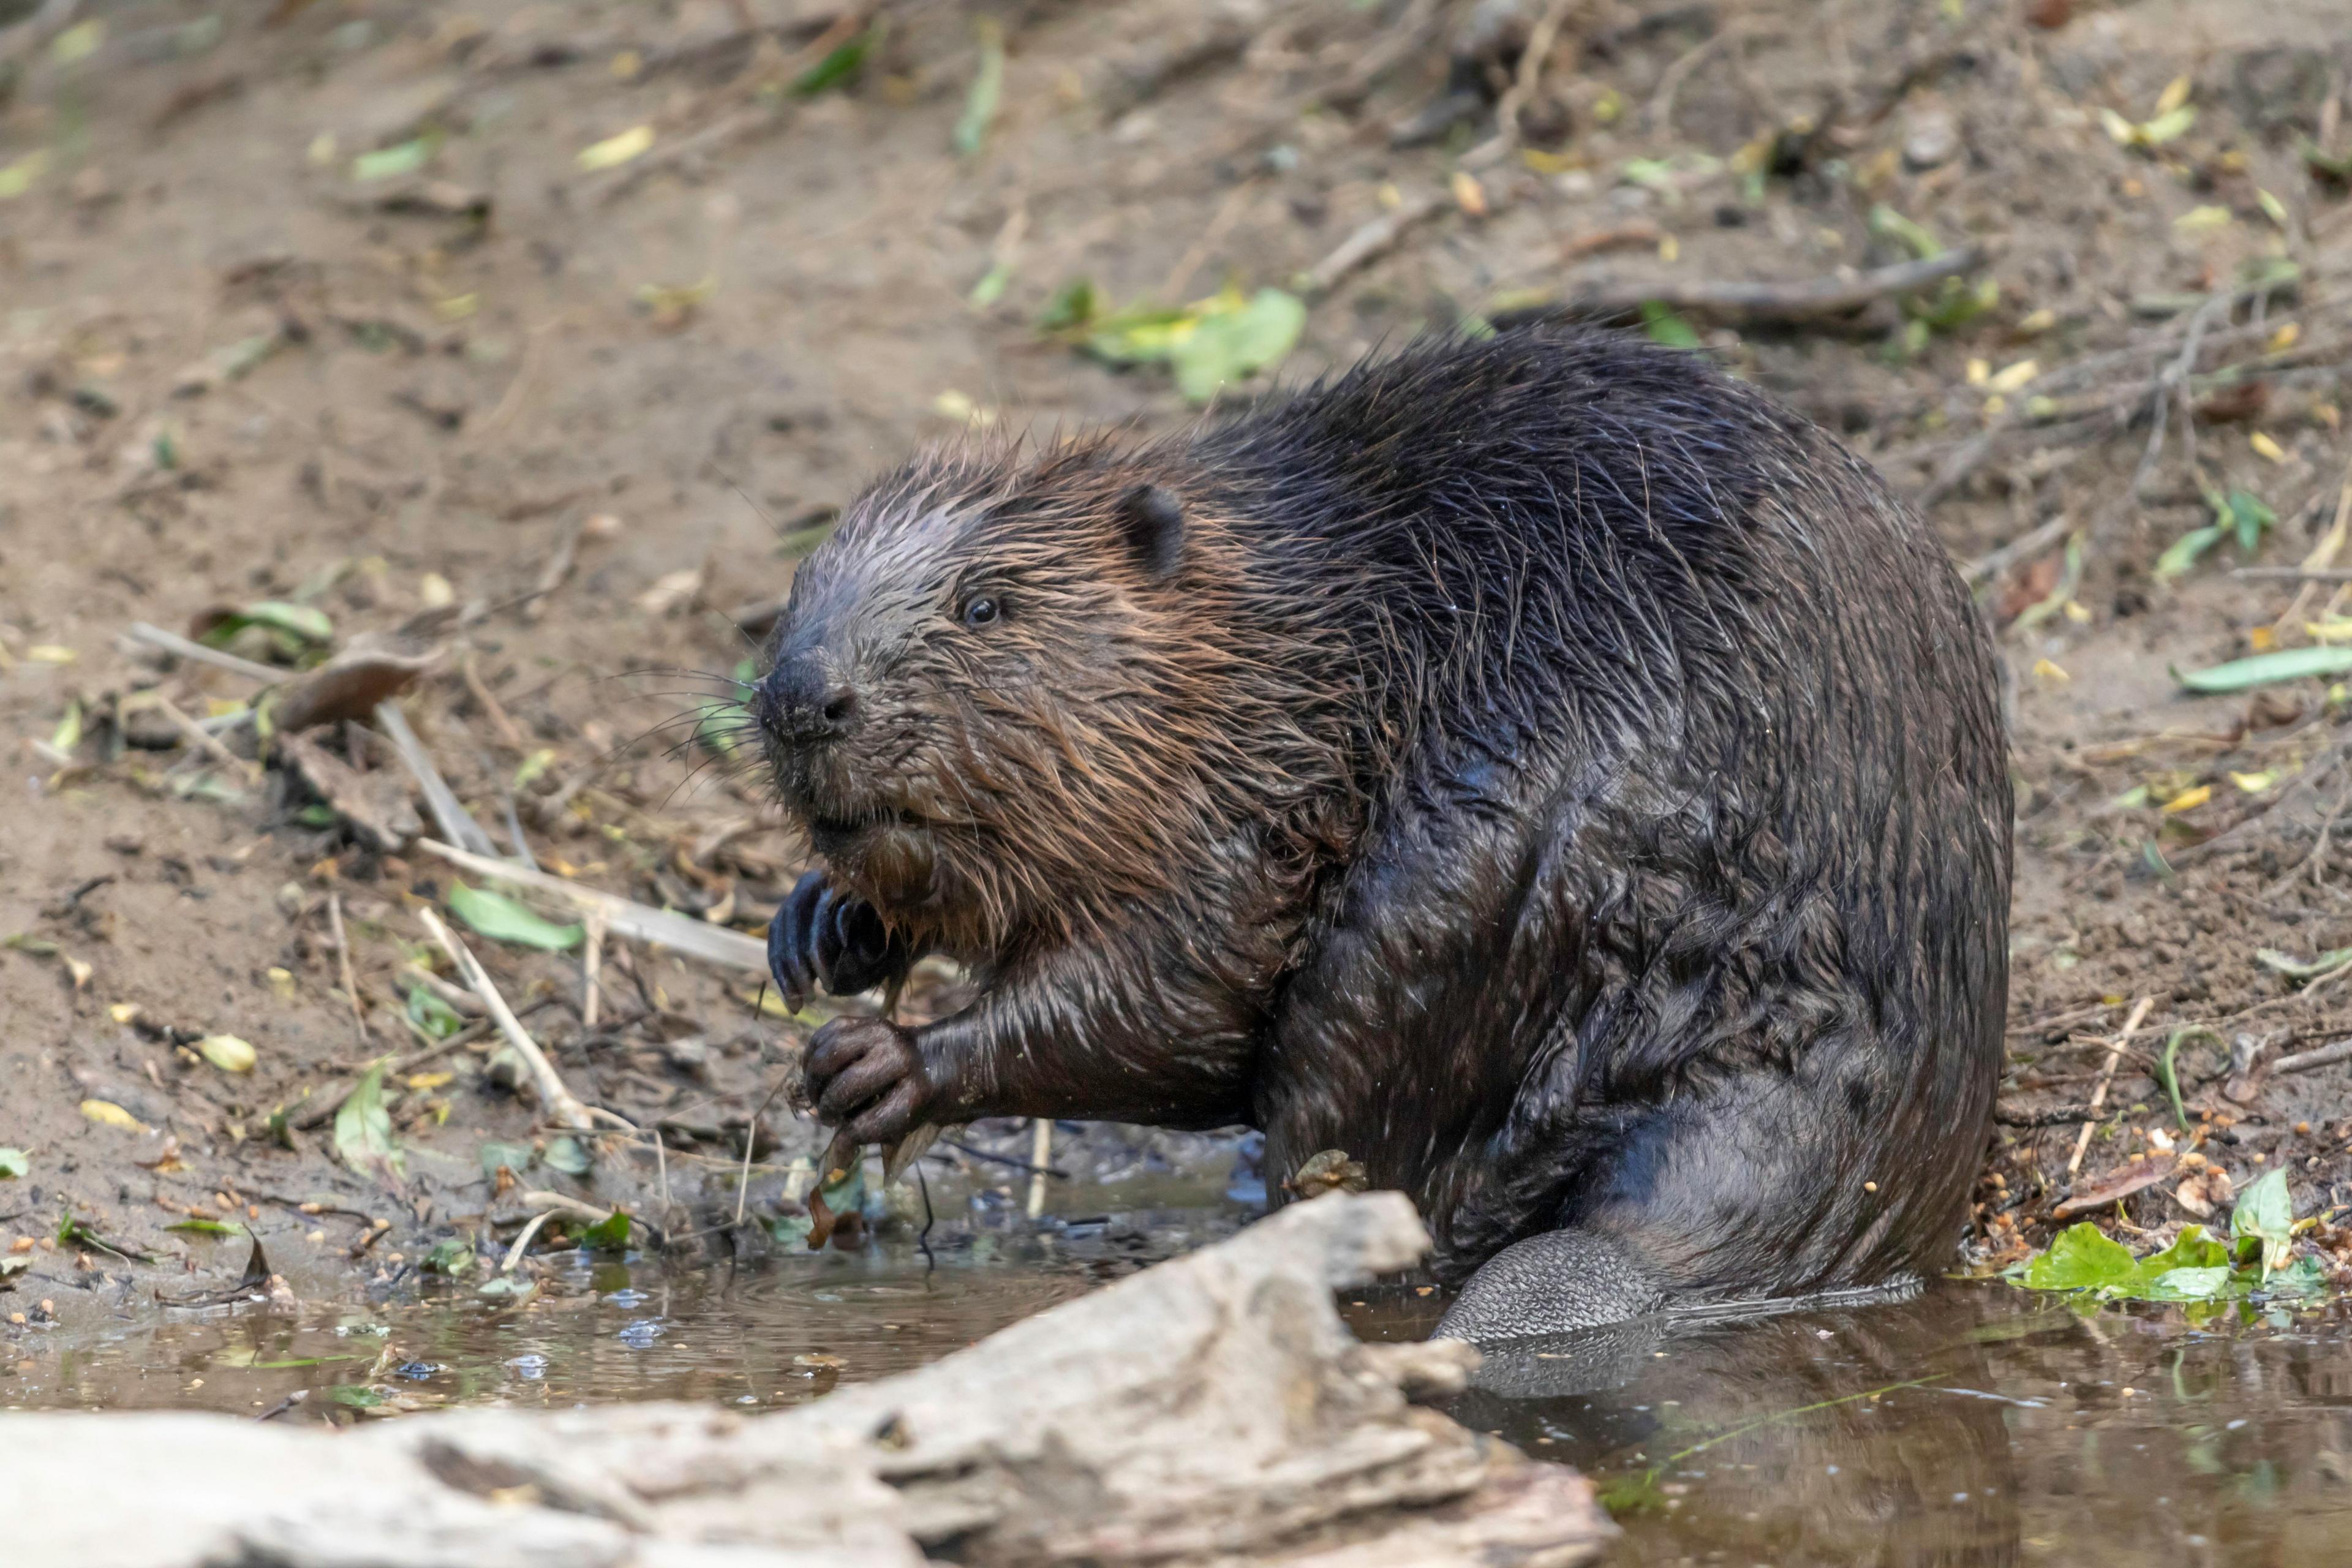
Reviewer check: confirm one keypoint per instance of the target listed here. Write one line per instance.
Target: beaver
(1539, 766)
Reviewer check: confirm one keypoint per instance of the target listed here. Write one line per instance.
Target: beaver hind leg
(1549, 1284)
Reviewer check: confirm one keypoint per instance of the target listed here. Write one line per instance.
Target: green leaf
(496, 1157)
(451, 1259)
(429, 1013)
(1666, 326)
(388, 163)
(204, 1227)
(1233, 345)
(2263, 668)
(2190, 1284)
(2192, 1248)
(67, 736)
(2295, 968)
(508, 1287)
(791, 1230)
(567, 1155)
(2083, 1258)
(2247, 513)
(1888, 223)
(299, 621)
(2267, 1212)
(13, 1163)
(355, 1396)
(842, 65)
(610, 1234)
(500, 918)
(2304, 1277)
(987, 87)
(1073, 307)
(991, 286)
(2183, 552)
(363, 1131)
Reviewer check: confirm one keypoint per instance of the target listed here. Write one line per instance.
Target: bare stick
(523, 1242)
(622, 917)
(492, 709)
(2304, 1061)
(1372, 241)
(1041, 1155)
(203, 738)
(174, 643)
(661, 1164)
(2033, 542)
(592, 964)
(343, 967)
(2107, 1075)
(455, 822)
(563, 1107)
(1806, 301)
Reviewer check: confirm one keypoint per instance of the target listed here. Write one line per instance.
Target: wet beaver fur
(1540, 767)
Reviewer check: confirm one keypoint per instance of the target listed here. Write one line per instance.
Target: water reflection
(1976, 1425)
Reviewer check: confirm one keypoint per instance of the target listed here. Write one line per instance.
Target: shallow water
(1977, 1425)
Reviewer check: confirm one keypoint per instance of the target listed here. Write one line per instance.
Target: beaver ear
(1153, 521)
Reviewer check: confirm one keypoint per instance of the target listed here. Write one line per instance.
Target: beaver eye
(979, 612)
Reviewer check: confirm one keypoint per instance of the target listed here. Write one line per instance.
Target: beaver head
(1007, 695)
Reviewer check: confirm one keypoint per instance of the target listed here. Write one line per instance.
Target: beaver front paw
(822, 937)
(866, 1077)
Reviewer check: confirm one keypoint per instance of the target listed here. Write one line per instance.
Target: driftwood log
(1212, 1411)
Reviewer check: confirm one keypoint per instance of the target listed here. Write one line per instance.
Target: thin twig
(203, 738)
(2304, 1061)
(591, 965)
(2107, 1075)
(174, 643)
(623, 917)
(563, 1107)
(2032, 543)
(1041, 1156)
(343, 967)
(1804, 301)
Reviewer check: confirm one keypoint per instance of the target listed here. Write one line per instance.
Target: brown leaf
(376, 805)
(2133, 1176)
(348, 686)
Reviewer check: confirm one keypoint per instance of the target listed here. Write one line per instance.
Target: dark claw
(824, 938)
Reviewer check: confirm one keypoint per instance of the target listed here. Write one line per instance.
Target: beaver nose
(807, 705)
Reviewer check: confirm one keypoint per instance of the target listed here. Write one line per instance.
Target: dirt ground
(561, 326)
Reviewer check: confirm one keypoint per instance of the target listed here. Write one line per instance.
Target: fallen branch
(1809, 301)
(622, 917)
(562, 1106)
(1212, 1412)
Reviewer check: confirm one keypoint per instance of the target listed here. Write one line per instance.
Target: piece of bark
(1213, 1410)
(376, 805)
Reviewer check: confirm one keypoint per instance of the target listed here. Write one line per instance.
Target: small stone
(1931, 138)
